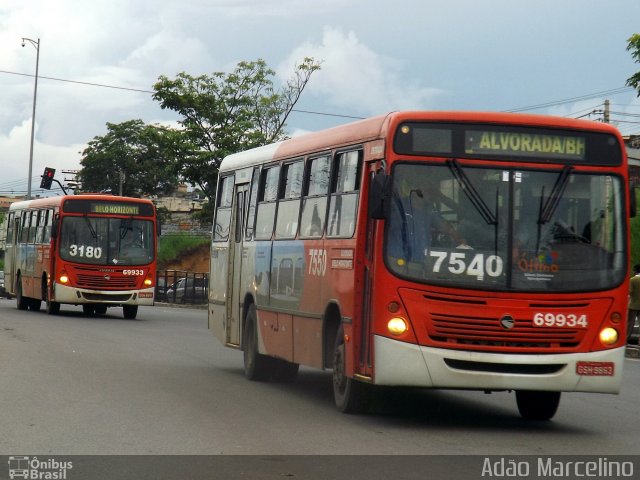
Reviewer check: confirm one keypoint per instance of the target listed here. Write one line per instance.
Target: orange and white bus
(97, 251)
(482, 251)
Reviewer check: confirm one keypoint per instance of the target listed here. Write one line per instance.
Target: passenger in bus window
(413, 220)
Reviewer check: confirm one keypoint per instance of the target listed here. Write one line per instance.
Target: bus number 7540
(478, 266)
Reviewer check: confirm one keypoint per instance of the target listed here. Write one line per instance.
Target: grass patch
(174, 246)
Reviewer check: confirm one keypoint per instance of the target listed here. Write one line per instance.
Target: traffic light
(47, 178)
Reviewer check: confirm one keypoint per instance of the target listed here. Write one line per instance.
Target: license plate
(595, 369)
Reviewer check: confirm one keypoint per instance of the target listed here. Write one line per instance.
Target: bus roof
(377, 127)
(47, 202)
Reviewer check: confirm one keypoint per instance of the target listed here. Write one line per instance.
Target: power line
(588, 96)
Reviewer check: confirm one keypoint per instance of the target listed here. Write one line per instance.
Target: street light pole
(36, 45)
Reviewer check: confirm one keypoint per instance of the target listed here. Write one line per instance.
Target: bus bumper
(80, 296)
(406, 364)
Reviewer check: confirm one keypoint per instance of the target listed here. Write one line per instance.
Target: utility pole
(606, 111)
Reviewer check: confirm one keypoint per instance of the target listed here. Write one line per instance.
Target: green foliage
(133, 156)
(224, 113)
(634, 47)
(173, 246)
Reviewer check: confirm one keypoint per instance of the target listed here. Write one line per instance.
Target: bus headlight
(148, 282)
(64, 278)
(397, 326)
(609, 336)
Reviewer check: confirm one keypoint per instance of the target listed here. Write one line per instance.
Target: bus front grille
(488, 332)
(99, 282)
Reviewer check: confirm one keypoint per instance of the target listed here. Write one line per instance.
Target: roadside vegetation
(173, 247)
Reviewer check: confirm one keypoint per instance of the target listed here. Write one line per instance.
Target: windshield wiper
(548, 207)
(471, 192)
(94, 234)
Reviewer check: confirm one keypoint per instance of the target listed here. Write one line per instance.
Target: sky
(97, 62)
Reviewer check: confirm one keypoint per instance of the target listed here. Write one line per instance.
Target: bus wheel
(52, 308)
(130, 311)
(22, 302)
(534, 405)
(257, 367)
(351, 396)
(100, 309)
(88, 310)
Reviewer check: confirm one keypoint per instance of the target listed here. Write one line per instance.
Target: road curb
(180, 305)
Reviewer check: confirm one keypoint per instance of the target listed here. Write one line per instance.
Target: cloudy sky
(99, 59)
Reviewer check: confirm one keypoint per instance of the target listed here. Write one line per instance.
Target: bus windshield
(522, 230)
(107, 241)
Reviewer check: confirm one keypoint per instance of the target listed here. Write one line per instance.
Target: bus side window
(253, 199)
(223, 211)
(267, 196)
(314, 203)
(344, 197)
(46, 237)
(24, 226)
(9, 239)
(42, 221)
(289, 200)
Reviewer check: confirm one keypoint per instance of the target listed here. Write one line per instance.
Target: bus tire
(88, 310)
(130, 312)
(257, 367)
(100, 309)
(22, 302)
(52, 308)
(536, 405)
(351, 396)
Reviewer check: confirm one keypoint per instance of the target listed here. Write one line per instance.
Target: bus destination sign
(508, 142)
(115, 208)
(523, 144)
(90, 206)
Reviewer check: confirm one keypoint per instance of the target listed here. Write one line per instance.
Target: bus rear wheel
(535, 405)
(257, 367)
(351, 396)
(22, 302)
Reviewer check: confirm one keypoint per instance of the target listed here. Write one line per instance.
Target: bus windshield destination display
(524, 144)
(107, 208)
(507, 142)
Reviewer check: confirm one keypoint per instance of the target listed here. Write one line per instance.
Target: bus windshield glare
(520, 230)
(107, 241)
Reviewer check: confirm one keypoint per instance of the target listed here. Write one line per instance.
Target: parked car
(3, 290)
(188, 290)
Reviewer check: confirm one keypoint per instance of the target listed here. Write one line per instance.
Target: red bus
(97, 251)
(482, 251)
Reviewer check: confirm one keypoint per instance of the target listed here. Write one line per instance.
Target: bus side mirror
(379, 196)
(158, 229)
(632, 200)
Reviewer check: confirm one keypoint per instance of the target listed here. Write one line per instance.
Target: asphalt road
(162, 384)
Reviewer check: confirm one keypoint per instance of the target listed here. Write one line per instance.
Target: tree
(227, 112)
(132, 158)
(634, 47)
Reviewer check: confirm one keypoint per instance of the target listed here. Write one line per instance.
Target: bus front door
(234, 285)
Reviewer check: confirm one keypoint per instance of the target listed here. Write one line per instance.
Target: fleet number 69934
(548, 319)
